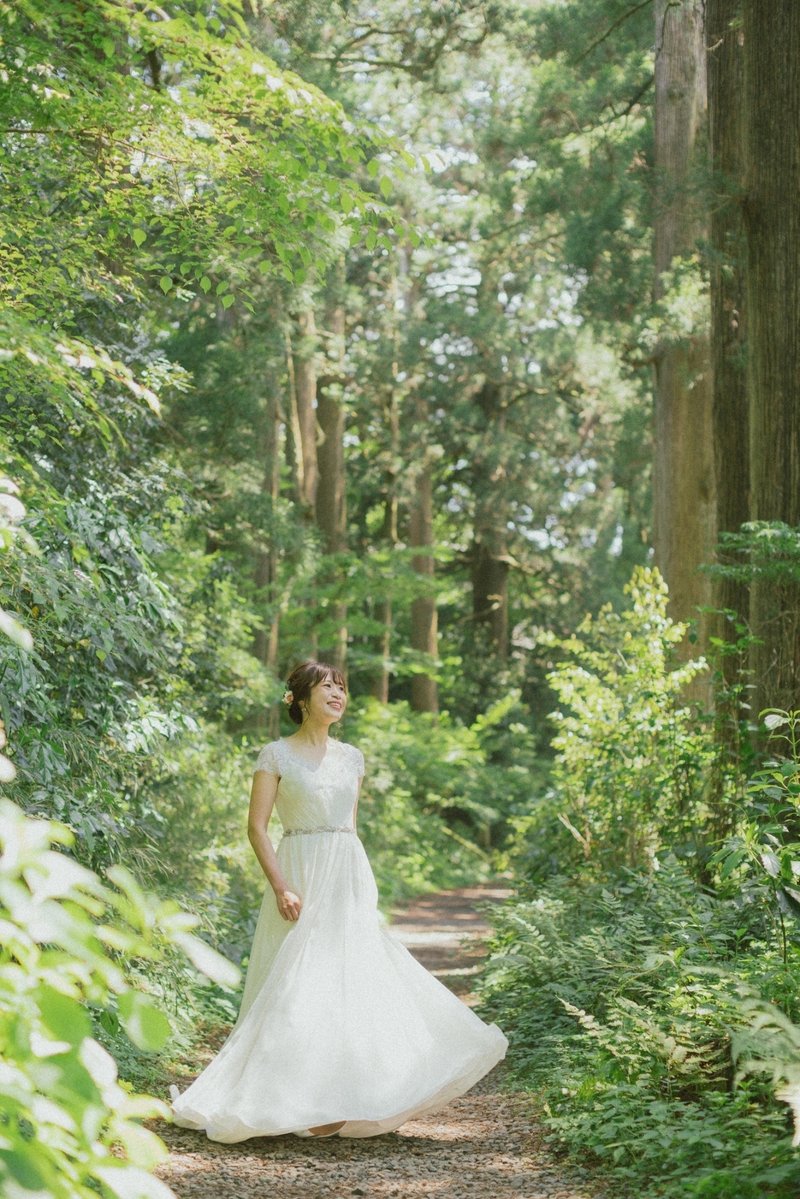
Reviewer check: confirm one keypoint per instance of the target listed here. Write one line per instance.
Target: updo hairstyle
(304, 679)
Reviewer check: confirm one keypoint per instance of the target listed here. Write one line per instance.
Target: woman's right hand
(289, 904)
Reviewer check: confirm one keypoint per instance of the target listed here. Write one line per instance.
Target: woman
(341, 1031)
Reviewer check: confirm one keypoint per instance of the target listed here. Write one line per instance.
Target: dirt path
(481, 1146)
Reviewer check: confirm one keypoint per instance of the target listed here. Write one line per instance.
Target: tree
(772, 229)
(331, 507)
(683, 476)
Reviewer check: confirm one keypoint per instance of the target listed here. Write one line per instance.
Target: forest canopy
(454, 343)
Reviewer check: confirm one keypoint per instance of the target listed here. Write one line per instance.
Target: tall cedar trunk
(772, 222)
(304, 395)
(730, 409)
(383, 608)
(402, 300)
(683, 474)
(265, 646)
(490, 540)
(331, 493)
(424, 619)
(730, 400)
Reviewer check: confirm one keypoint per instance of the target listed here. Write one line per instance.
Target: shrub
(623, 1001)
(631, 757)
(427, 800)
(69, 1129)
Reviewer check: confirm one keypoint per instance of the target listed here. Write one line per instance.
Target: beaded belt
(321, 828)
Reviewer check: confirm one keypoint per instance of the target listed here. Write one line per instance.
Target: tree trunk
(402, 301)
(490, 538)
(772, 223)
(683, 475)
(383, 608)
(730, 409)
(424, 619)
(331, 507)
(730, 401)
(303, 380)
(265, 644)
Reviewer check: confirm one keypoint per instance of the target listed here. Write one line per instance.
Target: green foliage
(771, 1046)
(199, 791)
(623, 1000)
(428, 800)
(70, 1129)
(761, 549)
(628, 774)
(651, 1006)
(761, 860)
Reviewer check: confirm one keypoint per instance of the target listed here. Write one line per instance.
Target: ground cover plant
(650, 976)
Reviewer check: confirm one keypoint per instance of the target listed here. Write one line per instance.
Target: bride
(340, 1031)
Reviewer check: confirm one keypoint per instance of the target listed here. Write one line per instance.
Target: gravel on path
(481, 1146)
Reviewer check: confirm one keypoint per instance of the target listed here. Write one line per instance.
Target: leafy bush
(427, 799)
(650, 1005)
(621, 1001)
(630, 756)
(68, 1128)
(198, 790)
(760, 862)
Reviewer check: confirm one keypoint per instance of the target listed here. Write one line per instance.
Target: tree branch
(614, 25)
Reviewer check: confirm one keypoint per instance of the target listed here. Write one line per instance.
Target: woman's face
(327, 701)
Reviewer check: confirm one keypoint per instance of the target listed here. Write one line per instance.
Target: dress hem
(354, 1126)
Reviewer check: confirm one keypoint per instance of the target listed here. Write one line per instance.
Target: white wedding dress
(338, 1021)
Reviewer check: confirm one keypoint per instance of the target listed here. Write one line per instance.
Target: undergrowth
(648, 971)
(621, 1001)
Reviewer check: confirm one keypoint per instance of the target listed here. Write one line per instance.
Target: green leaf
(63, 1017)
(385, 185)
(205, 283)
(127, 1182)
(143, 1021)
(139, 236)
(770, 863)
(165, 283)
(227, 300)
(24, 1169)
(208, 961)
(15, 631)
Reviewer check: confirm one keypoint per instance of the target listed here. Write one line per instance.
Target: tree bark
(331, 502)
(265, 569)
(303, 378)
(424, 618)
(683, 474)
(730, 408)
(490, 538)
(772, 222)
(384, 608)
(730, 401)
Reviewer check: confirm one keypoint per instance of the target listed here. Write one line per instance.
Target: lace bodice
(314, 796)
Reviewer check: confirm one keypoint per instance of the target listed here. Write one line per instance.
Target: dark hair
(304, 678)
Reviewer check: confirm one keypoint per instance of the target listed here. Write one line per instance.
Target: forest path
(481, 1146)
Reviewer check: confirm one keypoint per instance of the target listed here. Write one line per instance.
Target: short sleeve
(268, 760)
(358, 759)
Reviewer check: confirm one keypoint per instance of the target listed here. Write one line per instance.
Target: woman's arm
(262, 801)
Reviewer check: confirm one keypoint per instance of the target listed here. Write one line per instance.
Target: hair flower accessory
(288, 697)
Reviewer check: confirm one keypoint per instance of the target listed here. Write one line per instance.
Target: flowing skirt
(338, 1021)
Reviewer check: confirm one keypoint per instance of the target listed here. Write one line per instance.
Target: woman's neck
(313, 733)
